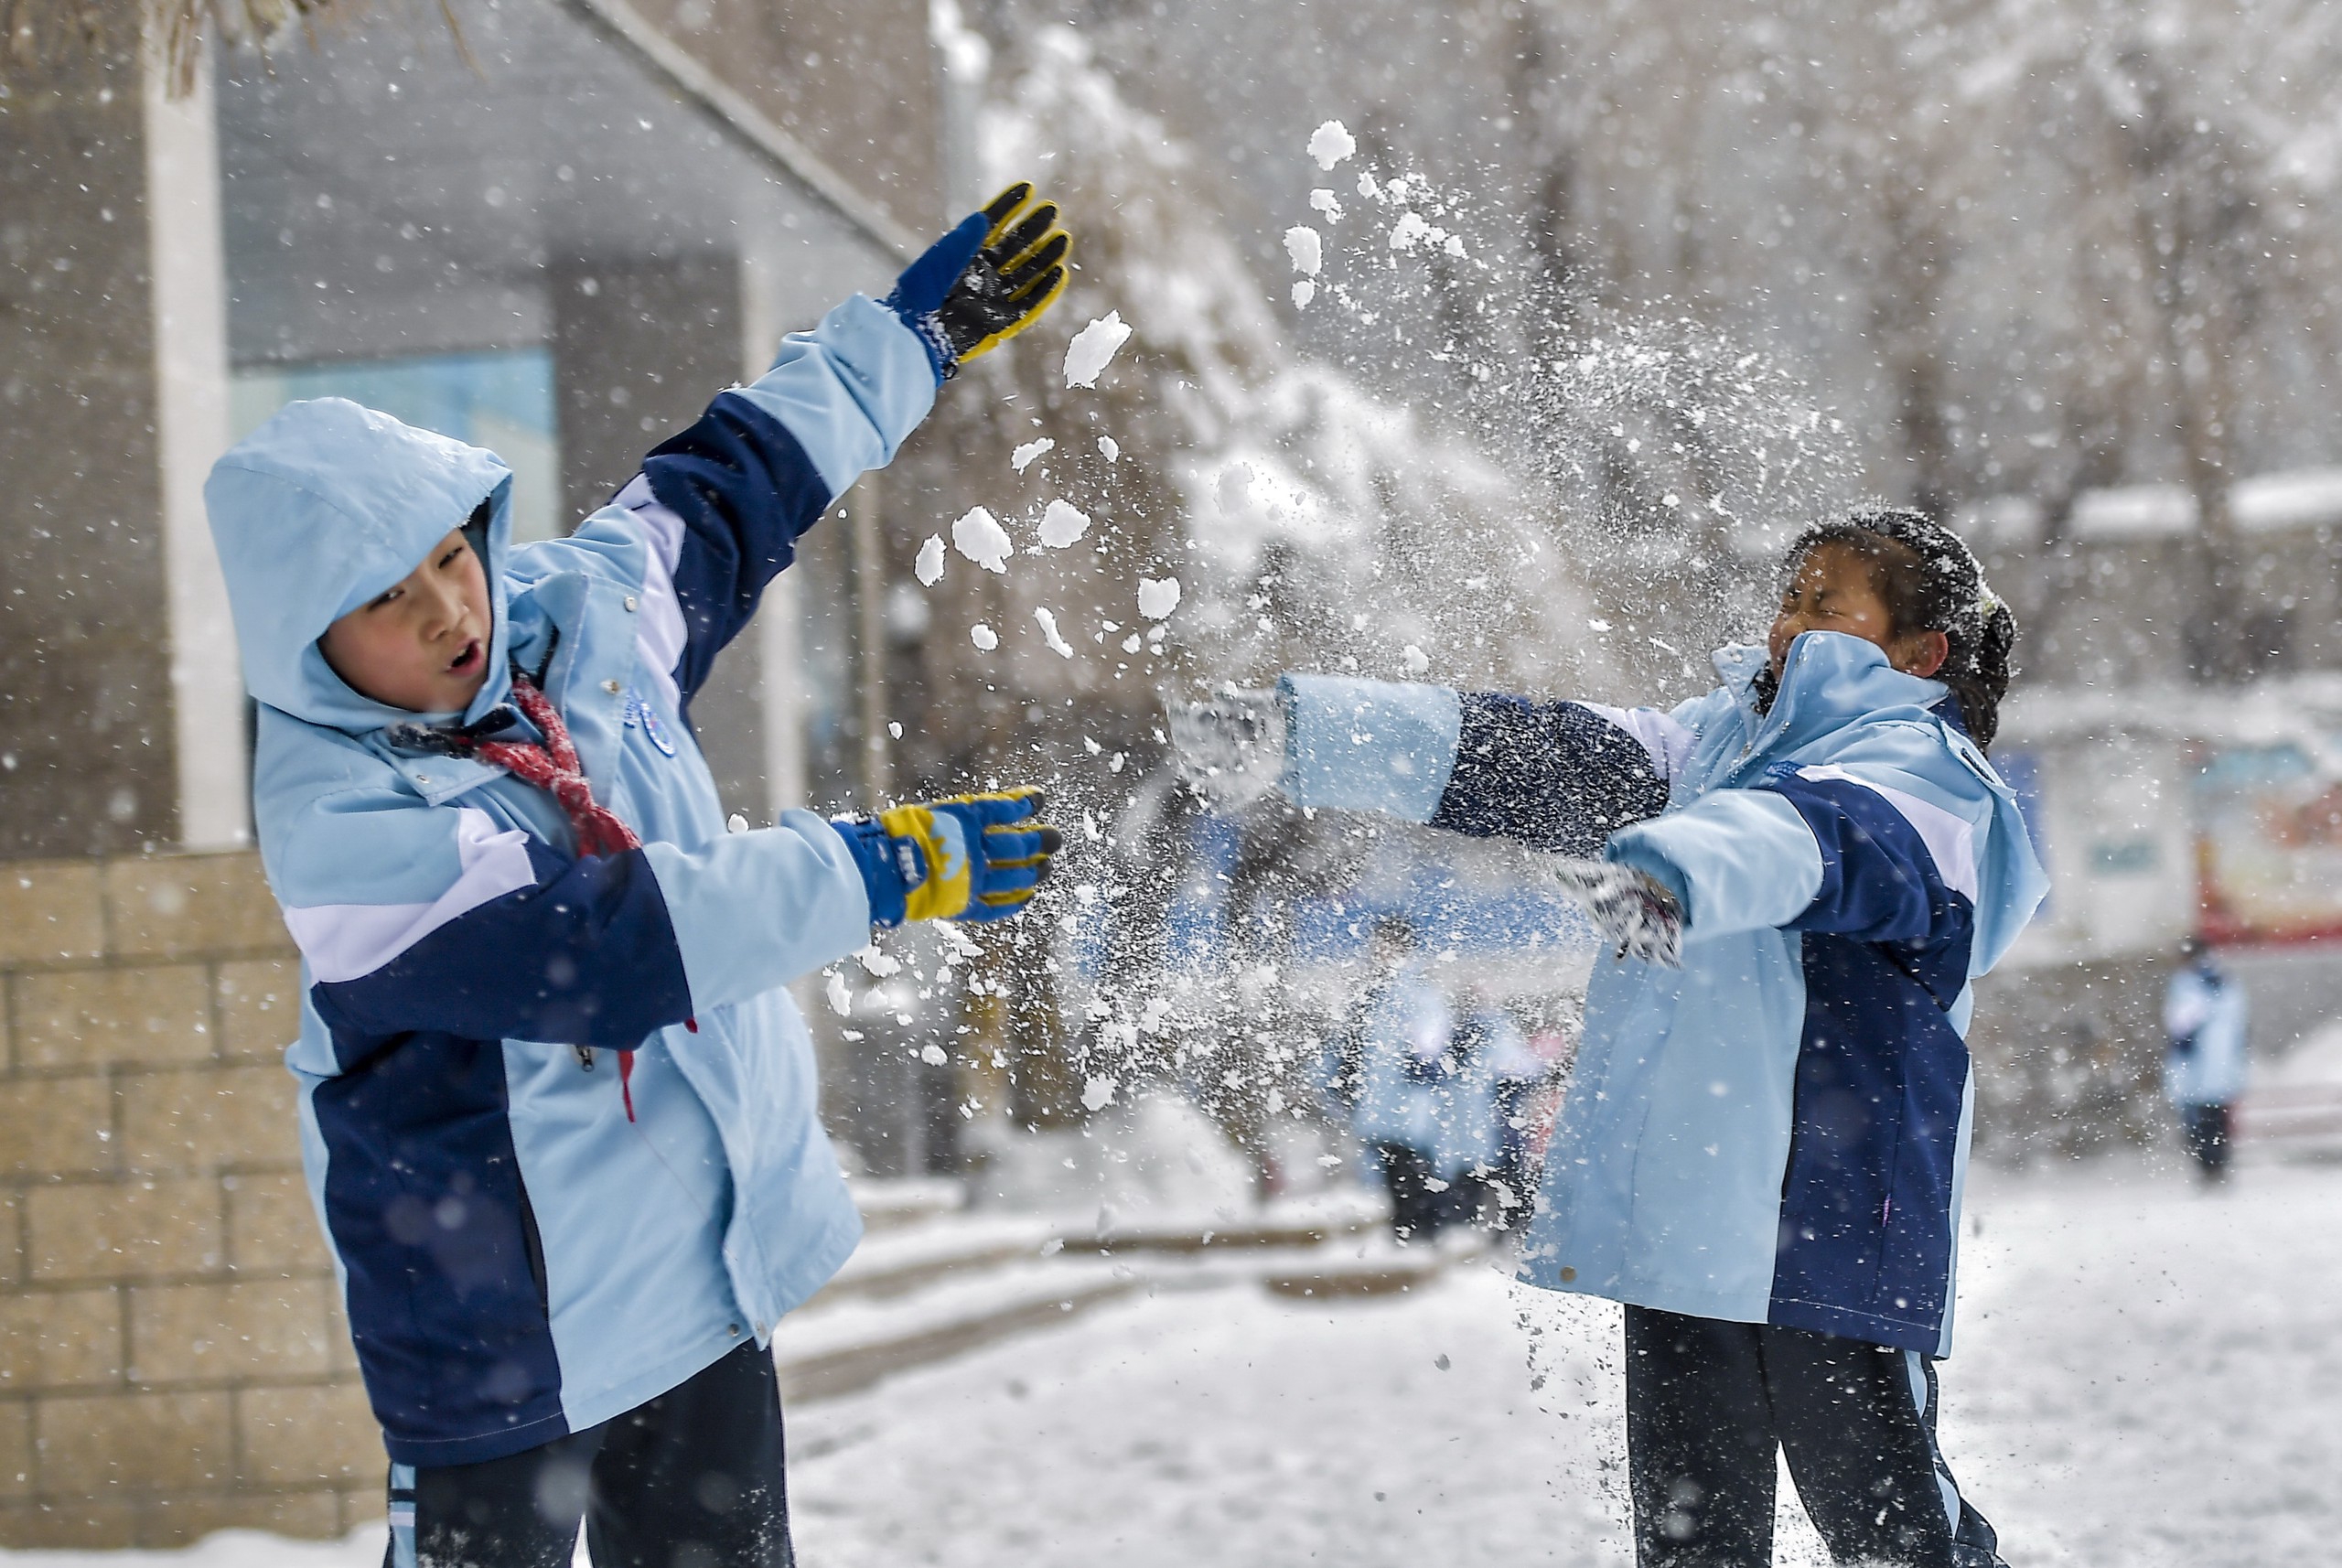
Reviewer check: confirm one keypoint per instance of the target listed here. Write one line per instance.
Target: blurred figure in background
(2205, 1017)
(1389, 1074)
(1515, 1073)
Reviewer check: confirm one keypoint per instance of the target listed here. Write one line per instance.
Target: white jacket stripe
(660, 635)
(1949, 837)
(348, 941)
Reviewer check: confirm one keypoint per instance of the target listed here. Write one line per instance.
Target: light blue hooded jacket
(1777, 1131)
(2206, 1016)
(519, 1259)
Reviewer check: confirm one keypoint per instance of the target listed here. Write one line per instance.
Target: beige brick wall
(172, 1358)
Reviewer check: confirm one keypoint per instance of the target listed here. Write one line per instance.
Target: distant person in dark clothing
(2204, 1015)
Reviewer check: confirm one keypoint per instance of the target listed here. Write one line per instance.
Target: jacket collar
(1830, 681)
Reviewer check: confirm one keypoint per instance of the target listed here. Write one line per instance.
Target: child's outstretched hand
(986, 280)
(1631, 912)
(967, 858)
(1231, 748)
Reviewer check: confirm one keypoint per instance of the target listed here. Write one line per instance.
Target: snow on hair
(1931, 582)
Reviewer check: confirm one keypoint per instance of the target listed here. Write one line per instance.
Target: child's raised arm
(722, 504)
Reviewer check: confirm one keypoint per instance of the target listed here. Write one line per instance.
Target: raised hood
(323, 508)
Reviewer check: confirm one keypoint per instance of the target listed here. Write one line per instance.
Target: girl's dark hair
(1930, 582)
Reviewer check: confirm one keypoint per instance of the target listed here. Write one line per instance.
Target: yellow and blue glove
(967, 857)
(985, 282)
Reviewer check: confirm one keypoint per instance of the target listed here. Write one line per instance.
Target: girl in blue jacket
(556, 1111)
(1766, 1130)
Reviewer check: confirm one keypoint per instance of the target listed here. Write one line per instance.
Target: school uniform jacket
(1778, 1132)
(520, 1259)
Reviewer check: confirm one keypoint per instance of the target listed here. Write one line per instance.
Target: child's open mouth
(466, 662)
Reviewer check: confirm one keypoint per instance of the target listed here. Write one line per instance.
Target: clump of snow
(1417, 662)
(1324, 200)
(1022, 459)
(1331, 142)
(1304, 291)
(1093, 348)
(1111, 447)
(979, 536)
(1063, 523)
(840, 1000)
(984, 636)
(929, 564)
(1234, 490)
(736, 823)
(1307, 251)
(881, 964)
(1365, 186)
(1158, 599)
(1057, 644)
(1409, 232)
(1099, 1093)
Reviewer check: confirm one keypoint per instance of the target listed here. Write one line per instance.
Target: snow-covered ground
(2147, 1374)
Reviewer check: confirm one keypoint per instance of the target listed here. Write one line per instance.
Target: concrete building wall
(173, 1356)
(87, 759)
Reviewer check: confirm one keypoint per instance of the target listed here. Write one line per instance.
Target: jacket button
(1568, 1276)
(611, 687)
(732, 1328)
(420, 779)
(629, 601)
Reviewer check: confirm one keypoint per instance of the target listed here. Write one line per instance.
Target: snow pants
(1417, 1213)
(690, 1479)
(1709, 1404)
(2207, 1131)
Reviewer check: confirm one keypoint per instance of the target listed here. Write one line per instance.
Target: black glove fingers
(1037, 297)
(1002, 207)
(1029, 231)
(1015, 280)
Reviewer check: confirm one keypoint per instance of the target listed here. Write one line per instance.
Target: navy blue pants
(690, 1480)
(1710, 1404)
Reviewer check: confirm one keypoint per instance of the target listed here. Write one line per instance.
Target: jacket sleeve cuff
(848, 391)
(1738, 860)
(1369, 745)
(753, 911)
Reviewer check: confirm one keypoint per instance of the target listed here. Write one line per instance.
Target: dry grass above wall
(47, 33)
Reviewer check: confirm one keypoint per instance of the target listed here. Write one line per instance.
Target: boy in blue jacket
(1766, 1135)
(556, 1111)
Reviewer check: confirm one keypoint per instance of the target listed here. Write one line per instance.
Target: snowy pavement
(2147, 1376)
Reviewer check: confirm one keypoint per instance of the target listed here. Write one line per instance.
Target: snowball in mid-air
(1099, 1093)
(840, 999)
(1322, 201)
(979, 536)
(1331, 142)
(1063, 524)
(1057, 644)
(929, 564)
(1409, 232)
(1418, 662)
(1111, 447)
(1022, 459)
(1304, 291)
(1157, 600)
(1093, 348)
(984, 636)
(1308, 254)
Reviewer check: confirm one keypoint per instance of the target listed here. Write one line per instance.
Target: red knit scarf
(553, 767)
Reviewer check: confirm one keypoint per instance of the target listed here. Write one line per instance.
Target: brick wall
(173, 1359)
